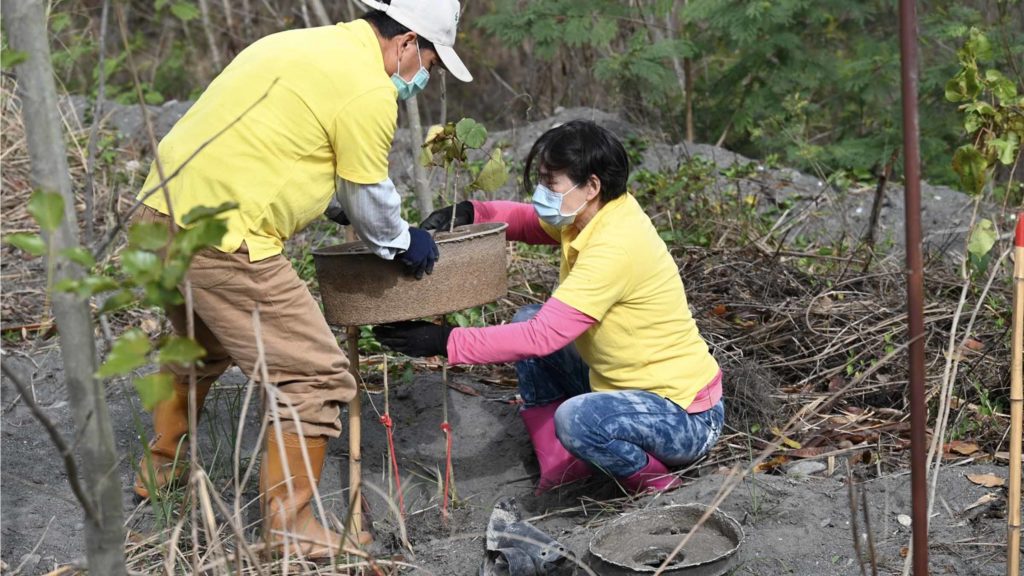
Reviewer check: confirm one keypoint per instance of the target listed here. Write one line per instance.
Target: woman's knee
(575, 424)
(526, 312)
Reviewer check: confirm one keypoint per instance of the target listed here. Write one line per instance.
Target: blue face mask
(408, 89)
(548, 205)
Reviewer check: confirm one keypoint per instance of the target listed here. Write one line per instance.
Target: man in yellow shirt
(298, 125)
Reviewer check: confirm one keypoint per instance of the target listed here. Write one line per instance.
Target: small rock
(904, 520)
(805, 468)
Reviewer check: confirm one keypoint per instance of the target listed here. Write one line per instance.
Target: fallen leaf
(720, 310)
(962, 448)
(150, 325)
(987, 480)
(904, 551)
(972, 344)
(771, 464)
(1002, 456)
(785, 440)
(981, 501)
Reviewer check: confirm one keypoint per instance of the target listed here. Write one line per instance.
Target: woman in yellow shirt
(613, 371)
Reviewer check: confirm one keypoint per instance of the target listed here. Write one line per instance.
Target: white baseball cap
(435, 20)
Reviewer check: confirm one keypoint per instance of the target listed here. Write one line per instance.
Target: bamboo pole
(1016, 403)
(355, 430)
(355, 425)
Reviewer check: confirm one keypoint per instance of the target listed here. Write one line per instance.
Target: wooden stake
(355, 425)
(355, 429)
(1016, 404)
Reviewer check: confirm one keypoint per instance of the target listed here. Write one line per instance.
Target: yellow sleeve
(361, 135)
(599, 279)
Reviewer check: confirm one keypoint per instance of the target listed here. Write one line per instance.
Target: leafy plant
(152, 266)
(992, 112)
(448, 146)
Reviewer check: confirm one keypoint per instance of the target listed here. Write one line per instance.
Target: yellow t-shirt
(618, 271)
(331, 110)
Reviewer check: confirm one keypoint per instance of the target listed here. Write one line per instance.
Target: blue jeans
(613, 431)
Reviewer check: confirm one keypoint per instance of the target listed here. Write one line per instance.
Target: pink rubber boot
(654, 477)
(557, 465)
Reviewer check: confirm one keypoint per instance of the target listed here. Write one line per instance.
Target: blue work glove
(419, 258)
(414, 338)
(442, 219)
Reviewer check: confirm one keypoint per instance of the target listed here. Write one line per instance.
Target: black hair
(581, 148)
(388, 28)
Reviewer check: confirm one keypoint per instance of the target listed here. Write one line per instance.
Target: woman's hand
(442, 219)
(414, 338)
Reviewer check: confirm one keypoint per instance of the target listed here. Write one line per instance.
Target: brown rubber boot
(288, 514)
(167, 461)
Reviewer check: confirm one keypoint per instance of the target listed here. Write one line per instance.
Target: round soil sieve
(359, 288)
(637, 543)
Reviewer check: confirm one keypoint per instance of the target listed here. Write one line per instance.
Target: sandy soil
(794, 524)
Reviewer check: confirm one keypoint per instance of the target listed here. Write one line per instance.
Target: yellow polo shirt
(618, 271)
(330, 109)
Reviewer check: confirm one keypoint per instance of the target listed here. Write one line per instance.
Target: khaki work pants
(302, 356)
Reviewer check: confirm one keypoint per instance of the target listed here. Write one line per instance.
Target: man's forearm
(375, 211)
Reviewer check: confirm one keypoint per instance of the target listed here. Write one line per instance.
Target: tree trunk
(204, 9)
(321, 13)
(26, 32)
(424, 199)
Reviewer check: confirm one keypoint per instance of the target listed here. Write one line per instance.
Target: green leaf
(47, 208)
(157, 295)
(426, 158)
(11, 58)
(471, 133)
(148, 235)
(179, 350)
(174, 272)
(1002, 87)
(117, 301)
(971, 166)
(154, 388)
(31, 243)
(1005, 147)
(128, 353)
(205, 233)
(95, 284)
(142, 266)
(66, 285)
(981, 108)
(185, 11)
(80, 256)
(983, 237)
(493, 175)
(979, 46)
(204, 212)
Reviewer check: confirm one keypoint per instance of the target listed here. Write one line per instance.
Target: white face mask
(548, 205)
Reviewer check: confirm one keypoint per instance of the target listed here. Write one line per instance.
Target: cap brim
(453, 63)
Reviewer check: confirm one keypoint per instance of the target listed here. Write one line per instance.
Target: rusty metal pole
(915, 286)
